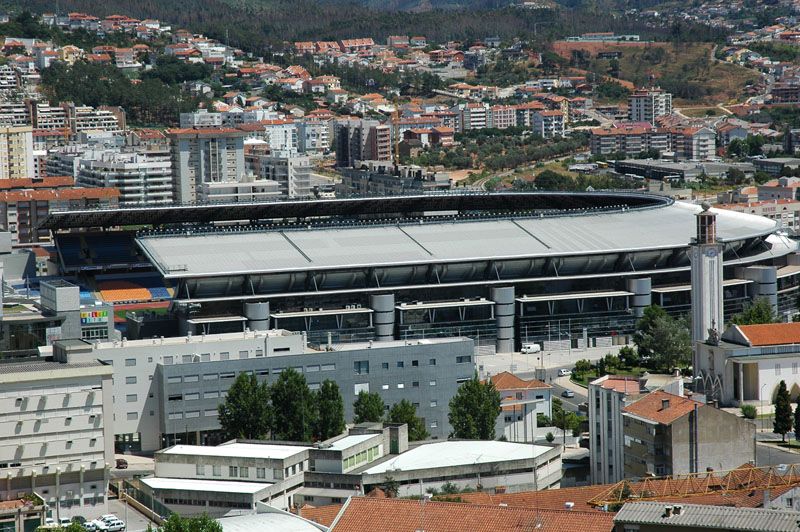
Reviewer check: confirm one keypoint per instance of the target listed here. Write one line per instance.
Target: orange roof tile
(621, 384)
(362, 514)
(651, 407)
(323, 515)
(509, 381)
(771, 333)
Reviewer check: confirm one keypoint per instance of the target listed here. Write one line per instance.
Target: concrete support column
(383, 316)
(741, 382)
(257, 315)
(504, 312)
(642, 295)
(765, 283)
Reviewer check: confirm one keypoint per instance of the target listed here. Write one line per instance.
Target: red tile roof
(771, 333)
(363, 514)
(621, 384)
(651, 407)
(509, 381)
(323, 515)
(544, 500)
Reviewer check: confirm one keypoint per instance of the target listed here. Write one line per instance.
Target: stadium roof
(388, 206)
(315, 249)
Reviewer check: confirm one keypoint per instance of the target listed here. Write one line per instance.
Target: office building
(208, 155)
(57, 436)
(167, 390)
(361, 140)
(290, 170)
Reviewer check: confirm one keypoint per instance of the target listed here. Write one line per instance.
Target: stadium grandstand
(504, 268)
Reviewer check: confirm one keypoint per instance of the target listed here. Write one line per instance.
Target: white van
(527, 349)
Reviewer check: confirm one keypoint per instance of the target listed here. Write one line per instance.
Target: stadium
(504, 268)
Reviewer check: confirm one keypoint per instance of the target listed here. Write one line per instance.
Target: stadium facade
(502, 268)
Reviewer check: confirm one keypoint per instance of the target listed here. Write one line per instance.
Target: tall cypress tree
(783, 412)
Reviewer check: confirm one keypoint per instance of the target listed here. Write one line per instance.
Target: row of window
(244, 471)
(361, 367)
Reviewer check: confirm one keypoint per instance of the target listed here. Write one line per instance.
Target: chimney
(668, 511)
(678, 509)
(569, 505)
(664, 404)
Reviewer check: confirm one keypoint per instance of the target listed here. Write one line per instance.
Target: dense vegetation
(148, 102)
(257, 25)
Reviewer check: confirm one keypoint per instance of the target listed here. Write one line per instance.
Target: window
(175, 415)
(149, 359)
(463, 359)
(400, 364)
(361, 387)
(400, 386)
(191, 396)
(133, 416)
(384, 365)
(174, 380)
(216, 471)
(205, 357)
(130, 380)
(175, 397)
(244, 472)
(228, 375)
(434, 424)
(434, 403)
(313, 386)
(261, 472)
(777, 369)
(211, 413)
(210, 376)
(190, 378)
(384, 387)
(518, 395)
(312, 369)
(200, 470)
(432, 362)
(243, 354)
(432, 383)
(414, 363)
(233, 471)
(187, 359)
(168, 360)
(361, 367)
(277, 474)
(328, 367)
(276, 371)
(130, 362)
(415, 384)
(259, 352)
(131, 398)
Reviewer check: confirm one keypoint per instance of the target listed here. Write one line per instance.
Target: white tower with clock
(705, 255)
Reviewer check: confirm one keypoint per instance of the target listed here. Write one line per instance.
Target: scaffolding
(746, 478)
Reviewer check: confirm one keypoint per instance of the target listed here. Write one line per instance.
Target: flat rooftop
(457, 453)
(211, 486)
(351, 441)
(325, 248)
(241, 450)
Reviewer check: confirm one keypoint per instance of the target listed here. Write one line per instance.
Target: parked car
(49, 521)
(564, 372)
(115, 525)
(567, 393)
(122, 463)
(65, 521)
(108, 517)
(528, 349)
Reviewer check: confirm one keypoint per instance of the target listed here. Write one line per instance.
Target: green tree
(330, 411)
(390, 486)
(405, 412)
(246, 412)
(176, 523)
(474, 410)
(759, 311)
(783, 412)
(293, 404)
(369, 407)
(74, 527)
(645, 326)
(666, 340)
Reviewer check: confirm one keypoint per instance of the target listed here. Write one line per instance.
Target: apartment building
(784, 211)
(548, 124)
(86, 118)
(201, 156)
(14, 114)
(473, 115)
(56, 437)
(141, 179)
(694, 143)
(16, 152)
(314, 137)
(648, 104)
(361, 140)
(502, 116)
(629, 140)
(667, 434)
(167, 390)
(522, 400)
(291, 171)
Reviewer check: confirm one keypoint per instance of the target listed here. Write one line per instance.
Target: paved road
(770, 455)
